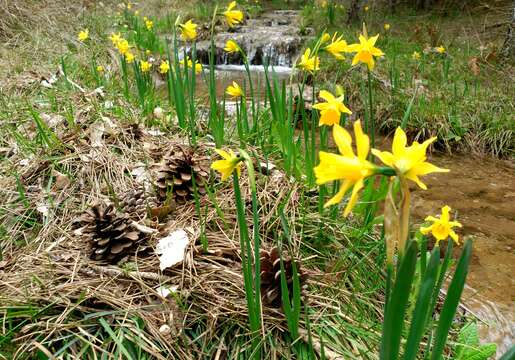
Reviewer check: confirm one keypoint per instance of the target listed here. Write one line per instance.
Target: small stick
(113, 271)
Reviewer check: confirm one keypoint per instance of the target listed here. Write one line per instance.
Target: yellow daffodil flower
(148, 52)
(129, 6)
(149, 24)
(123, 46)
(337, 47)
(164, 67)
(115, 38)
(188, 30)
(325, 38)
(386, 26)
(198, 66)
(309, 63)
(233, 17)
(331, 109)
(129, 57)
(415, 55)
(229, 163)
(234, 90)
(349, 169)
(100, 68)
(145, 66)
(365, 51)
(83, 35)
(366, 8)
(440, 49)
(409, 161)
(441, 228)
(231, 47)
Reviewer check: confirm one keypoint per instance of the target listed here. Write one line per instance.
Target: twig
(112, 271)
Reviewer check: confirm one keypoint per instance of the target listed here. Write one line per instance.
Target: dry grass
(45, 264)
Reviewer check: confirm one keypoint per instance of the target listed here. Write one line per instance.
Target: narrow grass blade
(451, 301)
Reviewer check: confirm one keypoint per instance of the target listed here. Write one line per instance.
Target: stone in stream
(273, 37)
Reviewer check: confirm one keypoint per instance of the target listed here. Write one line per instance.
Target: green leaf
(468, 337)
(509, 355)
(484, 352)
(451, 302)
(118, 339)
(418, 321)
(394, 317)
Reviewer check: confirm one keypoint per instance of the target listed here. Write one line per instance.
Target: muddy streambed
(482, 192)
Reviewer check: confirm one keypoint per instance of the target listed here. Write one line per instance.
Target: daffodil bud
(339, 90)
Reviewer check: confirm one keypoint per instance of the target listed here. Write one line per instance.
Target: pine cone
(111, 234)
(134, 132)
(137, 203)
(175, 173)
(271, 276)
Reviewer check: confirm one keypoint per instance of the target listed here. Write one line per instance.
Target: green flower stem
(371, 123)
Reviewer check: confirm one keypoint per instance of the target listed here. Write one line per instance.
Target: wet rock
(273, 38)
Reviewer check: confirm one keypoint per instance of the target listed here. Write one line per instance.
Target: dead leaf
(96, 132)
(49, 81)
(154, 132)
(492, 56)
(144, 229)
(474, 66)
(53, 120)
(162, 212)
(61, 180)
(43, 209)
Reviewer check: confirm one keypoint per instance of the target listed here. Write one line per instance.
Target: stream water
(481, 191)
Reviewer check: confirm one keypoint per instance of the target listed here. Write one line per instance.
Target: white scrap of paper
(164, 291)
(171, 248)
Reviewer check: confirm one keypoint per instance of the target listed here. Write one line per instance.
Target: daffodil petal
(399, 142)
(354, 197)
(455, 224)
(385, 156)
(426, 230)
(344, 109)
(355, 60)
(344, 186)
(454, 236)
(416, 180)
(352, 48)
(223, 153)
(362, 141)
(426, 168)
(326, 95)
(343, 140)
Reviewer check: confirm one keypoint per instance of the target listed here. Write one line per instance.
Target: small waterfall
(272, 38)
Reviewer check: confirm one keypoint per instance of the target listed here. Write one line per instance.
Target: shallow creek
(482, 192)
